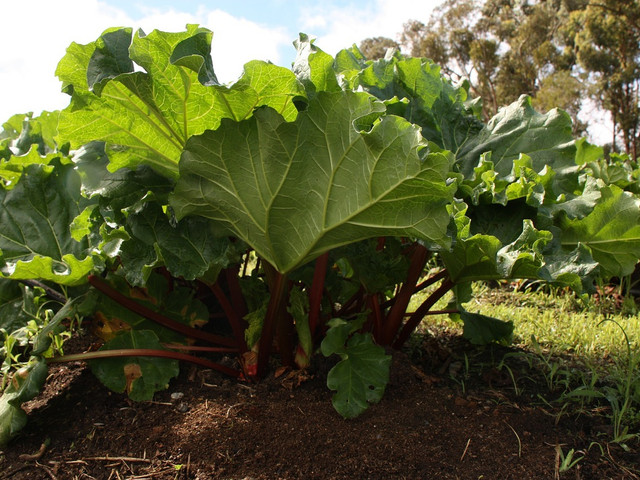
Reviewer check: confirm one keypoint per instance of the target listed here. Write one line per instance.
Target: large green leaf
(22, 132)
(294, 190)
(11, 170)
(35, 241)
(487, 186)
(313, 67)
(361, 376)
(188, 248)
(611, 231)
(572, 268)
(25, 385)
(496, 242)
(124, 189)
(376, 268)
(516, 129)
(414, 89)
(25, 141)
(145, 117)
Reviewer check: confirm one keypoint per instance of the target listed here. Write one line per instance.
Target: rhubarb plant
(291, 211)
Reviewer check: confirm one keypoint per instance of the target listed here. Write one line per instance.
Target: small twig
(150, 475)
(119, 459)
(621, 467)
(556, 470)
(48, 470)
(124, 462)
(233, 406)
(465, 449)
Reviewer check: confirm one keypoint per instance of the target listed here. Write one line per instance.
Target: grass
(583, 354)
(559, 322)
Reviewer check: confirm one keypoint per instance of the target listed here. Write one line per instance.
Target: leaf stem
(422, 310)
(317, 288)
(50, 292)
(135, 307)
(373, 301)
(278, 282)
(232, 275)
(394, 319)
(145, 352)
(237, 324)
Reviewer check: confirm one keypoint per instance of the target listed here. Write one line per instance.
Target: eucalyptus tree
(606, 36)
(503, 48)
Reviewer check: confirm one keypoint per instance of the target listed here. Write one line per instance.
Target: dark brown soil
(208, 427)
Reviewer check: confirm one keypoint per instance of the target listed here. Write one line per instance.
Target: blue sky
(35, 34)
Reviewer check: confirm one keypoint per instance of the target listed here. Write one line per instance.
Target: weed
(566, 462)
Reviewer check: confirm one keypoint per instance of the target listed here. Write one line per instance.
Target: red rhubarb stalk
(144, 352)
(145, 312)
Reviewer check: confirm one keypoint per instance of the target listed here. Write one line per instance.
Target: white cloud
(344, 26)
(237, 40)
(36, 34)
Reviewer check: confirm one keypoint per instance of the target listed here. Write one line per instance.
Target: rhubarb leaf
(140, 377)
(482, 330)
(294, 190)
(25, 385)
(415, 89)
(145, 115)
(611, 231)
(361, 375)
(35, 241)
(188, 248)
(511, 248)
(177, 304)
(517, 129)
(13, 309)
(314, 67)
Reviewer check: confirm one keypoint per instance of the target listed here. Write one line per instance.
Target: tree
(562, 88)
(505, 48)
(450, 39)
(607, 44)
(376, 47)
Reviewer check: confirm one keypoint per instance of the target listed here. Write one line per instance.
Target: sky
(36, 33)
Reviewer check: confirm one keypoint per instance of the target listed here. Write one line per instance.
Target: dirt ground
(428, 426)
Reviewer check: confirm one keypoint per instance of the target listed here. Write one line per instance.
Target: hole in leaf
(300, 104)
